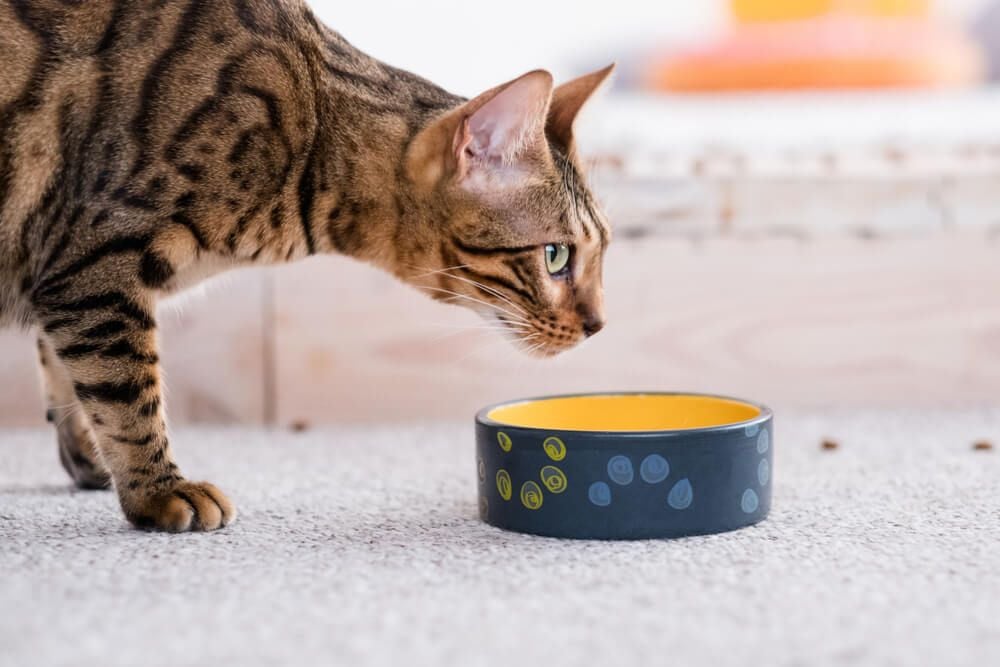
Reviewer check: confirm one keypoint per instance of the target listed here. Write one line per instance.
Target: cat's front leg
(107, 344)
(76, 439)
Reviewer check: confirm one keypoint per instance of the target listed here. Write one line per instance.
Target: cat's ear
(567, 100)
(483, 144)
(503, 125)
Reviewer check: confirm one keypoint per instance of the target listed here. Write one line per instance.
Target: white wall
(470, 46)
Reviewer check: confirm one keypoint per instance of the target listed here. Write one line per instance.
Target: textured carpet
(361, 547)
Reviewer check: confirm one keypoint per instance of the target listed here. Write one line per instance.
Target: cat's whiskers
(489, 290)
(524, 344)
(516, 333)
(534, 348)
(508, 316)
(499, 326)
(431, 272)
(448, 271)
(458, 330)
(71, 409)
(491, 306)
(488, 343)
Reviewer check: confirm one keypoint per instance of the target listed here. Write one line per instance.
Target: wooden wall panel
(808, 323)
(214, 351)
(846, 321)
(20, 391)
(212, 354)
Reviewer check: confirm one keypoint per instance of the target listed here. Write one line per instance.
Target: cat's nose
(592, 325)
(590, 310)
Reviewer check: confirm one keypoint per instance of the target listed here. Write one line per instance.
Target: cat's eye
(556, 257)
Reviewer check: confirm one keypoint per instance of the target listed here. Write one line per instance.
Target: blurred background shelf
(799, 165)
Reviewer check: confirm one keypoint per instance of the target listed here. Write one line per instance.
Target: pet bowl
(624, 466)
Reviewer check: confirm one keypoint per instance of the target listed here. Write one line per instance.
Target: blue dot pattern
(654, 469)
(620, 470)
(763, 441)
(599, 494)
(749, 502)
(681, 495)
(763, 472)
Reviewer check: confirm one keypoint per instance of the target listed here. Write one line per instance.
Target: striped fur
(146, 144)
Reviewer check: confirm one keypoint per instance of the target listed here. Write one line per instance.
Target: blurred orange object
(836, 51)
(783, 10)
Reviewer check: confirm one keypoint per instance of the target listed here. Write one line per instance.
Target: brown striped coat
(148, 144)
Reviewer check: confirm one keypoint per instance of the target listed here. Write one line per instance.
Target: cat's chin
(542, 350)
(528, 344)
(548, 353)
(528, 340)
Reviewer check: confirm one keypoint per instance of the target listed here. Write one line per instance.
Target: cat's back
(118, 116)
(39, 34)
(43, 41)
(115, 82)
(110, 105)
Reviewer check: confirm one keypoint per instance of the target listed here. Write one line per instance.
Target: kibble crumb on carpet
(362, 547)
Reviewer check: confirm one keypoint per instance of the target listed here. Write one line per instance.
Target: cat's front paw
(186, 506)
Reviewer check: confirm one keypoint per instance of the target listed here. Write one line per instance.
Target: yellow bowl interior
(625, 412)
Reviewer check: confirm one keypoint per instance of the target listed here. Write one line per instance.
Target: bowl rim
(482, 416)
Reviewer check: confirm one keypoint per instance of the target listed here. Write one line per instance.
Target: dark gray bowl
(624, 466)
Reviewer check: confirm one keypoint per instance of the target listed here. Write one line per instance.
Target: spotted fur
(147, 144)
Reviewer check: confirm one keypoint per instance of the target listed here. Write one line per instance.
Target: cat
(145, 145)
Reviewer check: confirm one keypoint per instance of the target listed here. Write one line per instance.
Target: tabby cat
(147, 144)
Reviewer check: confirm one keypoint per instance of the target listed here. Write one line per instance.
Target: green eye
(556, 257)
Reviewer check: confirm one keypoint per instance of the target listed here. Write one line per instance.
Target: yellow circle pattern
(531, 495)
(504, 440)
(554, 479)
(555, 448)
(504, 485)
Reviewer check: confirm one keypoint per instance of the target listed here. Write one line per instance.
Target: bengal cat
(146, 144)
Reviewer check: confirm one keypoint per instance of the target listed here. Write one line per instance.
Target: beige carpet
(361, 547)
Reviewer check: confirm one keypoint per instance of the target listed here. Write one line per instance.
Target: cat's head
(517, 235)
